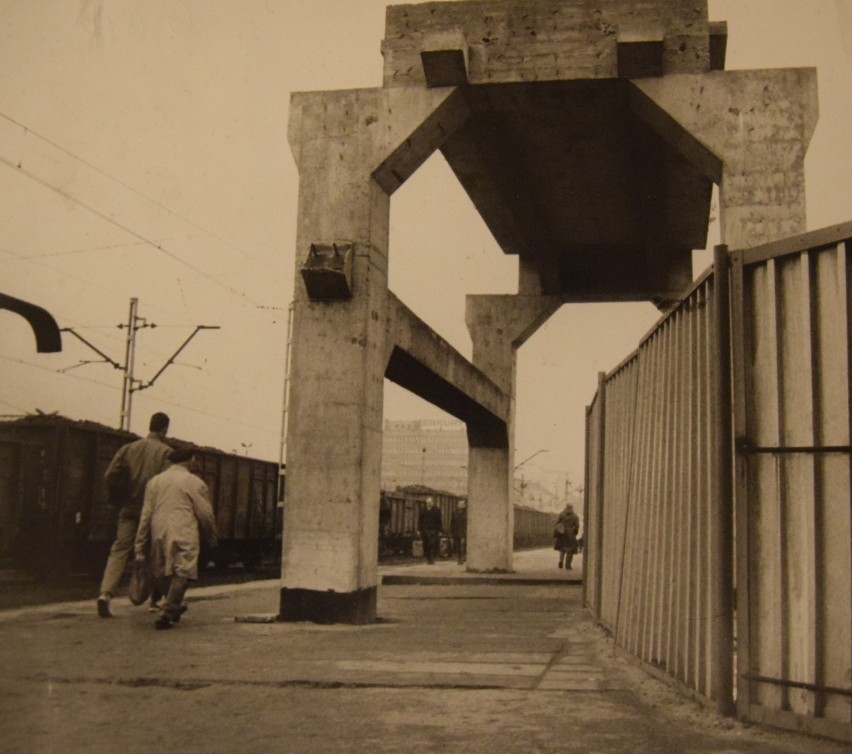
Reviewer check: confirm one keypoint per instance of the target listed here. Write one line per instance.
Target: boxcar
(54, 513)
(401, 508)
(399, 511)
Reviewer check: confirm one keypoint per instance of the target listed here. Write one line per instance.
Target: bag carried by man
(139, 588)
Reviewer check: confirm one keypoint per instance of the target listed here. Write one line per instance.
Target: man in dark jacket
(429, 525)
(565, 536)
(458, 530)
(126, 477)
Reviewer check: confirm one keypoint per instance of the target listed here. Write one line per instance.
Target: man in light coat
(175, 516)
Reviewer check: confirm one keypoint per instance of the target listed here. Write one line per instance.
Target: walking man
(429, 525)
(126, 477)
(565, 535)
(458, 530)
(176, 515)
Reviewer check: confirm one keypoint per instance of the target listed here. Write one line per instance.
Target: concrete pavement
(466, 665)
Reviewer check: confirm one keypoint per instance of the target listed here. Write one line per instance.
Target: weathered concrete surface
(475, 668)
(339, 352)
(588, 136)
(758, 124)
(423, 362)
(546, 40)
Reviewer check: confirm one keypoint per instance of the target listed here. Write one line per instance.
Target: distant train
(55, 516)
(400, 509)
(54, 512)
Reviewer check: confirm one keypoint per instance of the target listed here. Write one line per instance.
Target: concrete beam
(757, 125)
(445, 58)
(423, 362)
(499, 325)
(549, 40)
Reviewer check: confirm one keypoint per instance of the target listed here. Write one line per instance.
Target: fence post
(722, 538)
(599, 494)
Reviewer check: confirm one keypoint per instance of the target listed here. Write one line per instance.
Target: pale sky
(143, 153)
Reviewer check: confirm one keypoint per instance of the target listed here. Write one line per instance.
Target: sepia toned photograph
(463, 375)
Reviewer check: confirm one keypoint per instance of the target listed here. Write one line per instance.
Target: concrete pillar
(353, 148)
(498, 326)
(749, 131)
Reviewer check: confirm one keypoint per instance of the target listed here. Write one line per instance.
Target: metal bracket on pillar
(639, 56)
(327, 271)
(445, 59)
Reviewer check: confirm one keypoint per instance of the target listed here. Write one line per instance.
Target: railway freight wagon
(401, 508)
(399, 512)
(533, 528)
(54, 512)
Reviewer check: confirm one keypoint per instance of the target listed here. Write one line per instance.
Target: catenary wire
(64, 150)
(153, 244)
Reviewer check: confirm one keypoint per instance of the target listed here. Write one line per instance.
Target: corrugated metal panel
(793, 464)
(659, 487)
(655, 498)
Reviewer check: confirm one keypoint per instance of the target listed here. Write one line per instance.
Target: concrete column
(350, 147)
(749, 132)
(498, 326)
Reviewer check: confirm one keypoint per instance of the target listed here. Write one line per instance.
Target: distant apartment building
(426, 452)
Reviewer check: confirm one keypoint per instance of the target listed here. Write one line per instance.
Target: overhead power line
(162, 401)
(27, 130)
(158, 246)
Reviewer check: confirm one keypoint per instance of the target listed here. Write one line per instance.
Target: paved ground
(467, 667)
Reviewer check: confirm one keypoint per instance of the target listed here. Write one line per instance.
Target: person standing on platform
(126, 477)
(458, 530)
(430, 525)
(176, 515)
(565, 536)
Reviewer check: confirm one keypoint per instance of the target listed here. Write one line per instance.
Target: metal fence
(791, 345)
(718, 465)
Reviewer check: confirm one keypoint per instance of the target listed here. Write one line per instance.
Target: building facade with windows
(428, 452)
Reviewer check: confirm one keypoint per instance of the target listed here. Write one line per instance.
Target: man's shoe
(175, 617)
(153, 607)
(103, 606)
(163, 622)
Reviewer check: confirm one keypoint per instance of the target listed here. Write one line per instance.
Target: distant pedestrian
(126, 477)
(458, 530)
(565, 535)
(176, 515)
(429, 525)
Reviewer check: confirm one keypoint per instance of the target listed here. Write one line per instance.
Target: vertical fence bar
(743, 578)
(722, 519)
(599, 493)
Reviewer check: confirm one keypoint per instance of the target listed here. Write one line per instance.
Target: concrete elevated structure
(588, 136)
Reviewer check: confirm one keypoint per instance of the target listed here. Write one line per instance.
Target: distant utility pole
(130, 384)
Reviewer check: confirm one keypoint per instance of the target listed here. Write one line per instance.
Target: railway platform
(474, 663)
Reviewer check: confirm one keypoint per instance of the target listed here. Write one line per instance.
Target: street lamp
(523, 481)
(246, 446)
